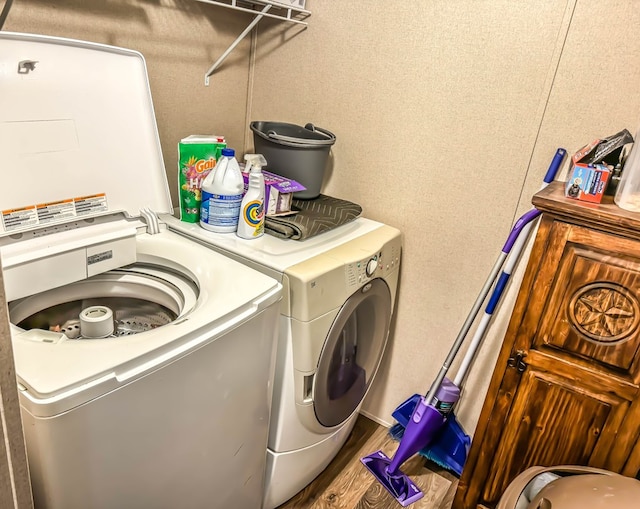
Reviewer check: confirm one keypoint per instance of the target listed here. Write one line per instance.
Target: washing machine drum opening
(352, 353)
(117, 303)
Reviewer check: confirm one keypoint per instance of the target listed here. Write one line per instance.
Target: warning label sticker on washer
(91, 204)
(14, 219)
(53, 212)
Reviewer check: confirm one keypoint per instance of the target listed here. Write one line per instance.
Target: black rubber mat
(313, 218)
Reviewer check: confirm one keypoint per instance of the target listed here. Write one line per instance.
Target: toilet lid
(78, 136)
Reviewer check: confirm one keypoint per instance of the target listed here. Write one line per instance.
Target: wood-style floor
(347, 484)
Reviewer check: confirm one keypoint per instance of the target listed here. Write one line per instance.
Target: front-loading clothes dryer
(144, 360)
(339, 296)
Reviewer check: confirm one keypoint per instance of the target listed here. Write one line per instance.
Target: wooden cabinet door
(552, 421)
(565, 388)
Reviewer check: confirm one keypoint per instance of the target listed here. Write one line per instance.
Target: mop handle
(548, 178)
(516, 243)
(494, 300)
(515, 233)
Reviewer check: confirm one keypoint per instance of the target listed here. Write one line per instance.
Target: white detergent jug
(251, 222)
(222, 192)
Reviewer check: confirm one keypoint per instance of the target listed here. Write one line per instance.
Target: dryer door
(352, 352)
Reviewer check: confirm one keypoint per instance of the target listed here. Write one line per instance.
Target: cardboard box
(587, 182)
(278, 192)
(197, 156)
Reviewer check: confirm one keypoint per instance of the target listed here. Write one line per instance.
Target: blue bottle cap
(228, 152)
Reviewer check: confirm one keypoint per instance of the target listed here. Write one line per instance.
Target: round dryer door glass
(351, 354)
(113, 304)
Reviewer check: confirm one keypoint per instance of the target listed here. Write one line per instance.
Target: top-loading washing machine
(144, 360)
(339, 295)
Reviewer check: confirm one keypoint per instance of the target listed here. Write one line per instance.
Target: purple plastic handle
(524, 220)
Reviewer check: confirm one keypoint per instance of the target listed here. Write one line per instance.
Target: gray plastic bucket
(294, 152)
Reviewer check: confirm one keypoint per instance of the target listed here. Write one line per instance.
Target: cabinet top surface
(606, 216)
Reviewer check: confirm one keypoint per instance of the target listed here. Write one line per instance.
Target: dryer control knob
(372, 265)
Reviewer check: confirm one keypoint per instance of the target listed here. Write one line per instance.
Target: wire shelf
(291, 11)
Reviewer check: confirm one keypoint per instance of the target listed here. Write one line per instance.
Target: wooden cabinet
(565, 389)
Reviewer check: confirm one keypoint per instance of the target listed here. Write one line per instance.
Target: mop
(449, 447)
(432, 411)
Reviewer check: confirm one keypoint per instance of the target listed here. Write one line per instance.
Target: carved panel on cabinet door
(553, 422)
(593, 309)
(606, 313)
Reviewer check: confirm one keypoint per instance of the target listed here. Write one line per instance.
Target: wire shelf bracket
(291, 11)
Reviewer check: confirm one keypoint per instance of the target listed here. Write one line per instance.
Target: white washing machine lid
(79, 148)
(61, 374)
(78, 135)
(275, 253)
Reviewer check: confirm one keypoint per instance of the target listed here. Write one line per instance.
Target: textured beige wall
(446, 113)
(444, 130)
(594, 93)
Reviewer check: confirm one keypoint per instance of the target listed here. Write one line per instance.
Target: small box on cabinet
(587, 182)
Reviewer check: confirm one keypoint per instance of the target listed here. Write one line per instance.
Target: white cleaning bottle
(222, 192)
(251, 222)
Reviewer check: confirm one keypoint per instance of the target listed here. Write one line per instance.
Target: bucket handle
(310, 127)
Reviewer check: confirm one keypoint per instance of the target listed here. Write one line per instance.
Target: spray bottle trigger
(254, 162)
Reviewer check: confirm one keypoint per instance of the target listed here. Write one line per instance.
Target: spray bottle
(251, 222)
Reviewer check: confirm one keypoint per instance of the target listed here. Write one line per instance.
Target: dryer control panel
(375, 265)
(323, 283)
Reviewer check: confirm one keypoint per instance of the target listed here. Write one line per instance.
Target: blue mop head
(448, 449)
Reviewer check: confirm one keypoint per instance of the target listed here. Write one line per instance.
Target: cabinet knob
(517, 361)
